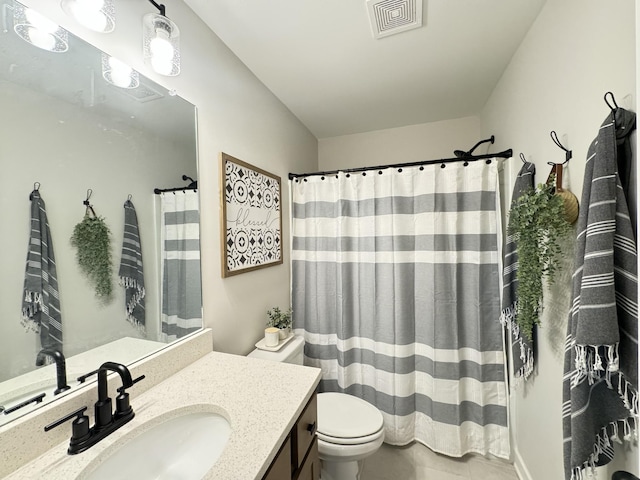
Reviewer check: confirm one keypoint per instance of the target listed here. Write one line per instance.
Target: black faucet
(103, 411)
(106, 420)
(61, 367)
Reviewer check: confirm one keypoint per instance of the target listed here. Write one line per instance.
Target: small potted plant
(280, 320)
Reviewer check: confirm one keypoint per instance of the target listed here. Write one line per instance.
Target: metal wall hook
(87, 204)
(613, 100)
(36, 188)
(568, 153)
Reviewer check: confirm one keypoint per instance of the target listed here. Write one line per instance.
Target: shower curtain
(181, 290)
(396, 290)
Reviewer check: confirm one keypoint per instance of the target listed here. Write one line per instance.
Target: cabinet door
(305, 429)
(281, 467)
(310, 469)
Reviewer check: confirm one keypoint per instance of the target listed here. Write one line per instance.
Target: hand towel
(41, 300)
(600, 383)
(131, 273)
(521, 346)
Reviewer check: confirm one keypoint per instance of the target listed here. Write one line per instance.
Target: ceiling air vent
(143, 94)
(389, 17)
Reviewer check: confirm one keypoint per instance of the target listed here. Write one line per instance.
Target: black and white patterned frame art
(251, 217)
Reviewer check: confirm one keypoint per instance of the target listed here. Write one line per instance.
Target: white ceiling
(321, 60)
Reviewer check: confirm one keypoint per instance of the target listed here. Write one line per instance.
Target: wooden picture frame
(251, 221)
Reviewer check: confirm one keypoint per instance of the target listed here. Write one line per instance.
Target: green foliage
(279, 319)
(92, 239)
(537, 223)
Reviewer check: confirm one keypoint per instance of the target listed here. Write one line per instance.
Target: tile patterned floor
(416, 462)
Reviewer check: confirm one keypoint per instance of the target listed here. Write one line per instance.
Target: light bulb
(40, 22)
(88, 15)
(161, 44)
(97, 15)
(38, 30)
(162, 66)
(120, 73)
(161, 47)
(41, 39)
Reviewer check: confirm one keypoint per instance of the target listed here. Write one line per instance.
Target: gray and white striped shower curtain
(181, 289)
(396, 289)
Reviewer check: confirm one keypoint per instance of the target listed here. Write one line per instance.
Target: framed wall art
(251, 217)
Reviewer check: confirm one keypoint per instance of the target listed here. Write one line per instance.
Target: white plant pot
(284, 333)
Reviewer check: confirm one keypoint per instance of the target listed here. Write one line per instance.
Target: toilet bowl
(349, 428)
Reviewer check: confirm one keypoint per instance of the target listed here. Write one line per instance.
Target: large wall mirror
(65, 129)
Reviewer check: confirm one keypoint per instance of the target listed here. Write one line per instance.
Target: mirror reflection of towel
(41, 300)
(131, 273)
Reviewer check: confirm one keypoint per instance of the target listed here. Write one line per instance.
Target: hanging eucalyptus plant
(537, 223)
(92, 239)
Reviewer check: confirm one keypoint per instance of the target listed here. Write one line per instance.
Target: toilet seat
(350, 441)
(347, 420)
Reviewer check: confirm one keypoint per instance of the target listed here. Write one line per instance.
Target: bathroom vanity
(298, 457)
(269, 406)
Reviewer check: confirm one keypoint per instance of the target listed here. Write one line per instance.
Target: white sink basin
(181, 448)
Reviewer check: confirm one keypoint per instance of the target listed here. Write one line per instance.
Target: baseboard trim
(521, 467)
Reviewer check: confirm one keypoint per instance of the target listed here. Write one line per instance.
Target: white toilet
(349, 429)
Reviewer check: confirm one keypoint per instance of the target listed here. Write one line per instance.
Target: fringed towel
(521, 346)
(41, 300)
(131, 273)
(600, 384)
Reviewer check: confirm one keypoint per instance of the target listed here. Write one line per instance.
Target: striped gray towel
(600, 383)
(521, 346)
(41, 300)
(131, 273)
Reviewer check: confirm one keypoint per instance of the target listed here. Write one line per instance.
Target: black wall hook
(613, 100)
(568, 153)
(87, 204)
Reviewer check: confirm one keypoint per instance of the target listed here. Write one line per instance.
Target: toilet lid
(345, 416)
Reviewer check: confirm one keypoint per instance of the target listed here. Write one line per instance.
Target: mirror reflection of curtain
(180, 243)
(396, 290)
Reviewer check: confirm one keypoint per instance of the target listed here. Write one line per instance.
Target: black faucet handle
(83, 378)
(36, 399)
(133, 382)
(123, 408)
(78, 414)
(80, 431)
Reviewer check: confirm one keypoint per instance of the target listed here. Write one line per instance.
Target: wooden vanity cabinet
(298, 457)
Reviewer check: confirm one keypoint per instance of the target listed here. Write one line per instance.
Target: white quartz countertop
(260, 399)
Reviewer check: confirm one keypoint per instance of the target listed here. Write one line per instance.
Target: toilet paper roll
(271, 336)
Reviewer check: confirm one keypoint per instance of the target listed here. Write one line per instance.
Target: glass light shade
(96, 15)
(161, 44)
(38, 30)
(119, 73)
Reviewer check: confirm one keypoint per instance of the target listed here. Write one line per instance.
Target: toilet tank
(291, 352)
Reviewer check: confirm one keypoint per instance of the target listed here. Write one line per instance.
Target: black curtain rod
(470, 158)
(158, 191)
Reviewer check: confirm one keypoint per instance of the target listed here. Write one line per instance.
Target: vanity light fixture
(161, 42)
(118, 73)
(38, 30)
(96, 15)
